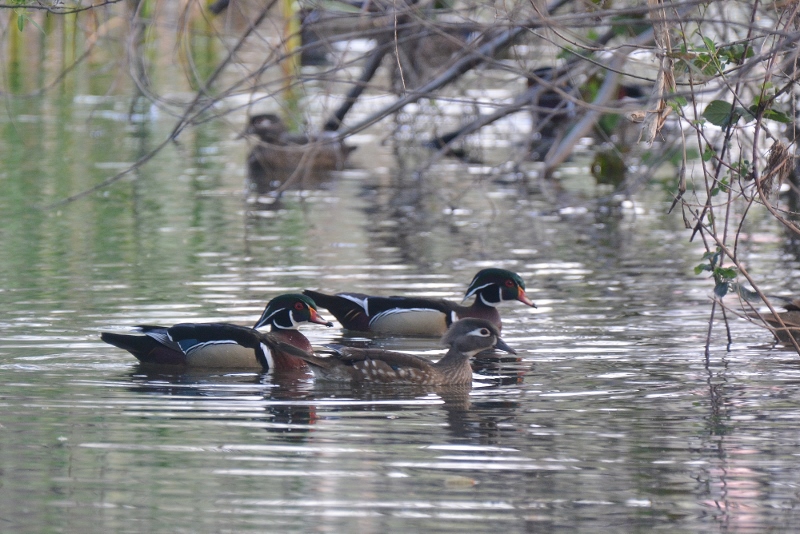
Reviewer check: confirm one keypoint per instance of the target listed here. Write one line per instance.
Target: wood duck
(409, 316)
(466, 338)
(284, 314)
(790, 318)
(279, 153)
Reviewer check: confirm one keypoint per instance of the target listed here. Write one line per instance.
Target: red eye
(509, 283)
(299, 306)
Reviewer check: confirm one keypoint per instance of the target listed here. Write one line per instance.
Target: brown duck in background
(280, 155)
(790, 318)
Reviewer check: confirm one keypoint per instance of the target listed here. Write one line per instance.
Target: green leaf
(708, 153)
(736, 52)
(702, 267)
(20, 22)
(35, 24)
(720, 113)
(721, 289)
(778, 116)
(706, 64)
(566, 53)
(710, 46)
(748, 114)
(680, 100)
(728, 273)
(770, 114)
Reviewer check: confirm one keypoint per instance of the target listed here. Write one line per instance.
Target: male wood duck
(284, 314)
(466, 338)
(410, 316)
(279, 153)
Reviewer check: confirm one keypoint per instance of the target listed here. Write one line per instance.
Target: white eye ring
(480, 332)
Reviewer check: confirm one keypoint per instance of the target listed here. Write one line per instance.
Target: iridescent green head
(493, 285)
(289, 311)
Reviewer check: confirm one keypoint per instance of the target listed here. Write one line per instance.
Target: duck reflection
(485, 423)
(407, 215)
(466, 420)
(500, 370)
(290, 407)
(191, 382)
(289, 417)
(280, 395)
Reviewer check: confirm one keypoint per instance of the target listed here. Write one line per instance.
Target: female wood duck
(279, 153)
(466, 338)
(790, 318)
(409, 316)
(284, 314)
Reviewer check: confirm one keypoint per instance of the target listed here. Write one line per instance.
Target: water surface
(611, 419)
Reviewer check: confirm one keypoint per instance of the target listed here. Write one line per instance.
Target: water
(609, 420)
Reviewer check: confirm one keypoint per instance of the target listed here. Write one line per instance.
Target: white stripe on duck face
(295, 322)
(294, 326)
(492, 304)
(267, 320)
(479, 332)
(480, 295)
(476, 290)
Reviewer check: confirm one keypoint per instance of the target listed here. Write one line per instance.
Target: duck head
(289, 311)
(492, 286)
(470, 336)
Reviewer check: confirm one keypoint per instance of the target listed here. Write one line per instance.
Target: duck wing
(356, 311)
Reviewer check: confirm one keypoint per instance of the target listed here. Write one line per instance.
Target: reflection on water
(594, 433)
(608, 419)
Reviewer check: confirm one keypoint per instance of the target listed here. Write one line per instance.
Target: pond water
(610, 419)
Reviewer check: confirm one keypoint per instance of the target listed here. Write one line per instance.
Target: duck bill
(523, 298)
(315, 318)
(501, 345)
